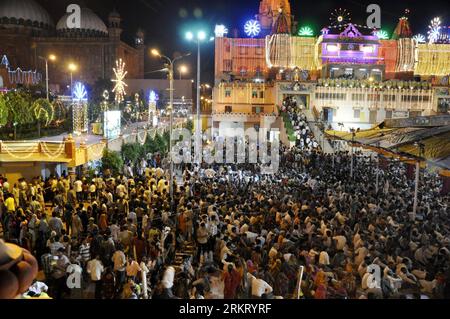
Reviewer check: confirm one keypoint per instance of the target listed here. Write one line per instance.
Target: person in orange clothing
(103, 222)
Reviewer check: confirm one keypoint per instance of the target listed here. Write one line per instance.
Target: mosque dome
(91, 26)
(26, 13)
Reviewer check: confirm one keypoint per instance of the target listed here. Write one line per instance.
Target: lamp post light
(170, 63)
(51, 57)
(416, 188)
(352, 160)
(378, 167)
(183, 69)
(72, 68)
(201, 37)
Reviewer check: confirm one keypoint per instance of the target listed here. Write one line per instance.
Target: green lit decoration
(382, 35)
(306, 32)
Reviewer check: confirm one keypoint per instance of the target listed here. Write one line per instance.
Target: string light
(119, 88)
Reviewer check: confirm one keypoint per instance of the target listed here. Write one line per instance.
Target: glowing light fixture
(305, 31)
(220, 31)
(252, 28)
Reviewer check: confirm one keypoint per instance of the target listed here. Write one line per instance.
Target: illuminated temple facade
(349, 76)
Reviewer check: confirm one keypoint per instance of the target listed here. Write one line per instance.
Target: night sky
(166, 21)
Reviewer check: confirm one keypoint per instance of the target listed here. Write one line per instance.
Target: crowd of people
(305, 139)
(232, 232)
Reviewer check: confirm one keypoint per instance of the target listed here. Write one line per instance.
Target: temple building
(28, 33)
(349, 76)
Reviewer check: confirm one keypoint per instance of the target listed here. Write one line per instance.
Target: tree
(43, 112)
(19, 108)
(112, 161)
(3, 111)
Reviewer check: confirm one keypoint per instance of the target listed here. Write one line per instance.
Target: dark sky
(165, 21)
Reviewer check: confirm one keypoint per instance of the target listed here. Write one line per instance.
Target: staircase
(318, 134)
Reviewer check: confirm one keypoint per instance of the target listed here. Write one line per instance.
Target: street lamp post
(170, 71)
(52, 58)
(182, 70)
(201, 36)
(351, 165)
(378, 167)
(72, 68)
(416, 188)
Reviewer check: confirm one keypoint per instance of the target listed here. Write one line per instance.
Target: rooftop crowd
(233, 232)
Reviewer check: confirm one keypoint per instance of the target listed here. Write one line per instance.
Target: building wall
(243, 97)
(234, 56)
(365, 107)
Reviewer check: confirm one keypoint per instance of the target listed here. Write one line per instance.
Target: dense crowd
(304, 137)
(233, 232)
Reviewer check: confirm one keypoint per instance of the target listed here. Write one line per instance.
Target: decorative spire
(281, 25)
(5, 61)
(403, 29)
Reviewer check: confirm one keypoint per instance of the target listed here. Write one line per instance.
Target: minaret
(115, 31)
(140, 46)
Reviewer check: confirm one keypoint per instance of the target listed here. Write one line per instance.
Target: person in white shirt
(95, 269)
(144, 272)
(78, 187)
(258, 287)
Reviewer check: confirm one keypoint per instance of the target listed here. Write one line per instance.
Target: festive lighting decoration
(406, 55)
(432, 59)
(220, 31)
(434, 30)
(382, 35)
(252, 28)
(79, 109)
(152, 99)
(79, 92)
(305, 31)
(420, 38)
(340, 17)
(285, 51)
(119, 88)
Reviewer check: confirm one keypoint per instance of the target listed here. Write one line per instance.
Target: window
(261, 94)
(389, 98)
(227, 65)
(227, 93)
(259, 51)
(356, 114)
(254, 94)
(256, 109)
(358, 96)
(373, 97)
(228, 109)
(243, 50)
(388, 114)
(349, 72)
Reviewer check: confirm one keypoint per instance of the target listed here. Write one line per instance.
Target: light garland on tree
(119, 88)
